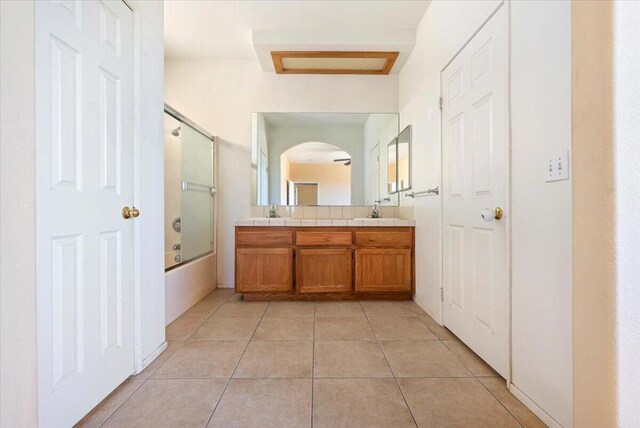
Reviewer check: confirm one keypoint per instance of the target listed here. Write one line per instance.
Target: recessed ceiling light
(333, 62)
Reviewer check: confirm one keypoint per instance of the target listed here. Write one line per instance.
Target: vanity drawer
(385, 238)
(324, 238)
(264, 238)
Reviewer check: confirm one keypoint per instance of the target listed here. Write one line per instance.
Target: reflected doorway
(305, 193)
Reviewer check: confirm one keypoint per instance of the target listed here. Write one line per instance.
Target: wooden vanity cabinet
(383, 270)
(264, 269)
(338, 263)
(322, 270)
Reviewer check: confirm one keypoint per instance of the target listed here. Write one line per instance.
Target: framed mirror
(321, 158)
(404, 160)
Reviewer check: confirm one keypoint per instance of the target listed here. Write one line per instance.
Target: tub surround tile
(291, 222)
(307, 222)
(339, 222)
(245, 222)
(354, 223)
(323, 223)
(276, 222)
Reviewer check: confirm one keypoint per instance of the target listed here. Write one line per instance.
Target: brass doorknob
(127, 212)
(498, 213)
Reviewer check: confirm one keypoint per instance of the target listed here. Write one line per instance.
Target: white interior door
(475, 178)
(84, 163)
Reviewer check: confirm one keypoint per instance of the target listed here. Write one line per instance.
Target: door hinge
(442, 294)
(440, 103)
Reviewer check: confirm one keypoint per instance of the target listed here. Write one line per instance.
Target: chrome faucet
(375, 213)
(272, 212)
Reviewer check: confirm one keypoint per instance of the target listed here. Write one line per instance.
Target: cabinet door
(264, 269)
(324, 270)
(383, 270)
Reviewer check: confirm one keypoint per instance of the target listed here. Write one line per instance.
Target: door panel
(84, 177)
(475, 176)
(383, 270)
(264, 269)
(324, 270)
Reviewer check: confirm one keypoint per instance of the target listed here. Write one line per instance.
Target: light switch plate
(557, 167)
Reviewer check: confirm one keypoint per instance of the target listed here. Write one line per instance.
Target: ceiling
(315, 153)
(315, 119)
(197, 29)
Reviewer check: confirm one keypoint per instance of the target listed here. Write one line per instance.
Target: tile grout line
(144, 380)
(236, 367)
(473, 374)
(120, 406)
(501, 403)
(389, 365)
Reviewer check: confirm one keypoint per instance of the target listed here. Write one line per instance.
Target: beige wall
(540, 212)
(334, 181)
(221, 95)
(18, 382)
(594, 292)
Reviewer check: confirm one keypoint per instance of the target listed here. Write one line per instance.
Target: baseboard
(155, 354)
(531, 405)
(225, 286)
(424, 307)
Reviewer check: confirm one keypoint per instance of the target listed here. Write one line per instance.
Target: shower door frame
(214, 176)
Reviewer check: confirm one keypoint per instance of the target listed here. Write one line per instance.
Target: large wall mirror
(321, 158)
(404, 160)
(399, 162)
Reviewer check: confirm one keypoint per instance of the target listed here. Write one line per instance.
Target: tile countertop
(382, 222)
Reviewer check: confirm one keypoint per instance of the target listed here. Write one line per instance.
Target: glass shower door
(198, 193)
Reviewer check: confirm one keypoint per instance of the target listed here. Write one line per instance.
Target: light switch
(557, 167)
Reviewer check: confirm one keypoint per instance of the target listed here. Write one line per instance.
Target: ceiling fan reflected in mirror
(347, 161)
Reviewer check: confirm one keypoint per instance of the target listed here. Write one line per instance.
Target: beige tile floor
(231, 363)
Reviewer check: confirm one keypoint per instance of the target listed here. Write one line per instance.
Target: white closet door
(475, 179)
(84, 162)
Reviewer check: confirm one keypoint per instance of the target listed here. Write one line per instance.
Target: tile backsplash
(332, 212)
